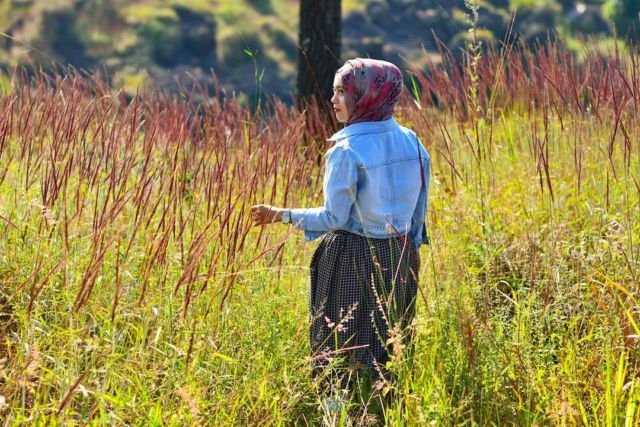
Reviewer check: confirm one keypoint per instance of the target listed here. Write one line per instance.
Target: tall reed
(132, 273)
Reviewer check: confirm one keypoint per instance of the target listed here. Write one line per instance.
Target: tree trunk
(318, 50)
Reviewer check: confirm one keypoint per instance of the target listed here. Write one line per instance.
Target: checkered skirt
(361, 289)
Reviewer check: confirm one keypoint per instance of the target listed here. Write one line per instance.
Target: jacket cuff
(298, 218)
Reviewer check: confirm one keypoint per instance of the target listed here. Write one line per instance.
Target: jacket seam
(391, 162)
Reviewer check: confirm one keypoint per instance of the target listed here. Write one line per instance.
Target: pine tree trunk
(319, 49)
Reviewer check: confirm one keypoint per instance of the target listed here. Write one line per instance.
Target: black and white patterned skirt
(362, 299)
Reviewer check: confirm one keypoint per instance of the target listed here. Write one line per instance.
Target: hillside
(251, 44)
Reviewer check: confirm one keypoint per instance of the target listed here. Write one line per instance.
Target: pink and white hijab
(372, 89)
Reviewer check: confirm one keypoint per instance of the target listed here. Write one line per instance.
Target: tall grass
(135, 291)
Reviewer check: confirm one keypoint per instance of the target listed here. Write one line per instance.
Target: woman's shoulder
(340, 148)
(410, 133)
(413, 136)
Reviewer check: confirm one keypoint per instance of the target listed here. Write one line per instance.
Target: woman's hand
(265, 214)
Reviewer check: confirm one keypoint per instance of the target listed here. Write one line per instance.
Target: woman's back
(388, 176)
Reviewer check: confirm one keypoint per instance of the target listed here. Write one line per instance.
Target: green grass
(527, 313)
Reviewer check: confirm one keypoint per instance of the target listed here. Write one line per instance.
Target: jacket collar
(362, 128)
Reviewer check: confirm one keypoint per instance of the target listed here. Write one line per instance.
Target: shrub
(54, 34)
(198, 33)
(625, 14)
(263, 6)
(164, 39)
(589, 21)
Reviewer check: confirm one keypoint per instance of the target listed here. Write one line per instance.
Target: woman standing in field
(364, 272)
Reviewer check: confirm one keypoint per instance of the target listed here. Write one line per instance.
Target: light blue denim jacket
(372, 185)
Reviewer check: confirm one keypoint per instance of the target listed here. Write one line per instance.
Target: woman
(364, 273)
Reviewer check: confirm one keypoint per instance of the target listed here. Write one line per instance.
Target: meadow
(135, 291)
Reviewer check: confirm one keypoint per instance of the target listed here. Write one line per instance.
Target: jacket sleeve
(418, 225)
(340, 191)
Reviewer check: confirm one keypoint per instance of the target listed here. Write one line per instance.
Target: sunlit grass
(135, 290)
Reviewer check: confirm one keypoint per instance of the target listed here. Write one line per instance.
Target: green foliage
(197, 6)
(198, 35)
(5, 84)
(236, 46)
(162, 34)
(58, 36)
(140, 13)
(232, 13)
(5, 8)
(263, 6)
(461, 40)
(530, 4)
(125, 35)
(625, 14)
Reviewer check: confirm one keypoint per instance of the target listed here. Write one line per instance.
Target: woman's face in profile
(338, 100)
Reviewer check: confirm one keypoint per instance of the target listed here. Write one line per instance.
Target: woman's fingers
(256, 214)
(263, 214)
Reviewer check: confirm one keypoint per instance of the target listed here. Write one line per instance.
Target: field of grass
(134, 291)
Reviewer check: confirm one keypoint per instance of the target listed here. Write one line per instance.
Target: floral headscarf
(372, 89)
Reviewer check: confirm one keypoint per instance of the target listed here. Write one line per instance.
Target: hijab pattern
(372, 89)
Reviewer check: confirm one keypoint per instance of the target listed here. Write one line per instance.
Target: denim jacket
(372, 185)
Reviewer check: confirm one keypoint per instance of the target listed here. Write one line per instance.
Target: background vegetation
(135, 292)
(137, 42)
